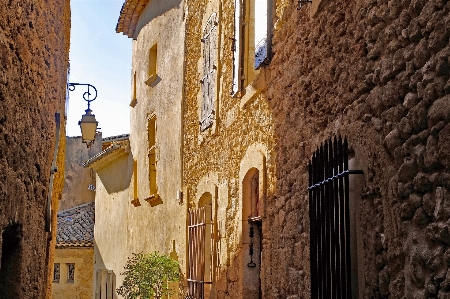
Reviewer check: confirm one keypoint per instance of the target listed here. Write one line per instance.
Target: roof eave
(129, 16)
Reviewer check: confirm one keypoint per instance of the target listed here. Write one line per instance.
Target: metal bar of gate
(322, 227)
(347, 223)
(341, 222)
(332, 220)
(336, 249)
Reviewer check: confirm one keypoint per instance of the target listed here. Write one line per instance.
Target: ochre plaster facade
(34, 46)
(136, 211)
(81, 287)
(219, 160)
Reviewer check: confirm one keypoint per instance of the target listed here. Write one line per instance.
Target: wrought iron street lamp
(88, 123)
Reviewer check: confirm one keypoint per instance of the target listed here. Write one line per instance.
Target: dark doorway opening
(10, 261)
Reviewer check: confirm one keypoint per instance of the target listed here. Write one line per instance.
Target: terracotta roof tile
(129, 16)
(76, 226)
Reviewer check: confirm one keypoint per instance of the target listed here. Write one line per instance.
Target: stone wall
(376, 72)
(77, 179)
(34, 46)
(216, 160)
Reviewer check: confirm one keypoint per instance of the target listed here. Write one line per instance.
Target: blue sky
(101, 57)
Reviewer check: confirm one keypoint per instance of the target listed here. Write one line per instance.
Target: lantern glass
(88, 125)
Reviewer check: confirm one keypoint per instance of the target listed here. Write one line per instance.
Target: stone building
(139, 177)
(284, 149)
(228, 147)
(74, 255)
(34, 48)
(377, 74)
(79, 182)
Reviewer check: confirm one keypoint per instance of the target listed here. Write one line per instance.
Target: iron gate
(329, 214)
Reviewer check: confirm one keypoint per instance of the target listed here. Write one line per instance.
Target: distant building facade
(73, 265)
(79, 182)
(34, 62)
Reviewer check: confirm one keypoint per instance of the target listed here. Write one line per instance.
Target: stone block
(444, 146)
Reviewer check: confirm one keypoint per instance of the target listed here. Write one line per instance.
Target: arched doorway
(251, 235)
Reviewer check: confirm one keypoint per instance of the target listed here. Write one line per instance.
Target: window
(152, 158)
(208, 80)
(332, 237)
(135, 200)
(152, 65)
(70, 273)
(56, 272)
(250, 41)
(134, 99)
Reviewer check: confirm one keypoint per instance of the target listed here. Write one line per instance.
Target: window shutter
(236, 45)
(260, 32)
(209, 72)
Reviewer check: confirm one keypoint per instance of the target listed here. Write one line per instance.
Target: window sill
(151, 79)
(154, 200)
(136, 202)
(254, 88)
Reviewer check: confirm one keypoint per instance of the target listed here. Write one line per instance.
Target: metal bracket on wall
(53, 169)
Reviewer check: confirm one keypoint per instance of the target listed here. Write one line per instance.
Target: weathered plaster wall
(121, 227)
(81, 288)
(221, 156)
(34, 47)
(112, 228)
(77, 178)
(378, 73)
(160, 220)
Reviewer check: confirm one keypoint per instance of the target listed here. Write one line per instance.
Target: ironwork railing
(329, 212)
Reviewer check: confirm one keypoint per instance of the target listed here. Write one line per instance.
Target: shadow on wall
(155, 9)
(117, 176)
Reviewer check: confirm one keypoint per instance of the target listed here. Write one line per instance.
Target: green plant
(147, 276)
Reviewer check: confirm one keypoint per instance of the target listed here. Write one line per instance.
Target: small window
(152, 155)
(152, 65)
(135, 200)
(70, 273)
(134, 100)
(56, 272)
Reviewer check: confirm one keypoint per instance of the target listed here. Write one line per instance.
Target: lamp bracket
(87, 94)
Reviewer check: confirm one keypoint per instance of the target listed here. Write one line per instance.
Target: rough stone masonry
(376, 72)
(34, 53)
